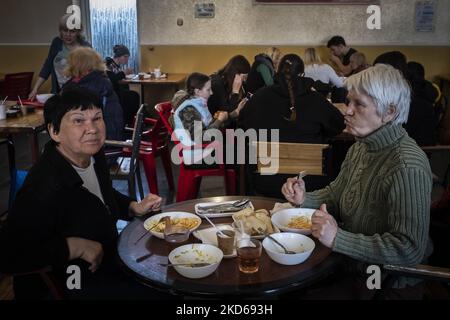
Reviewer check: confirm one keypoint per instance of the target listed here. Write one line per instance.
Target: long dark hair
(236, 65)
(290, 70)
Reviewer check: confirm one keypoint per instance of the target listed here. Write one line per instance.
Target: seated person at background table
(340, 55)
(422, 120)
(301, 115)
(377, 209)
(128, 99)
(66, 212)
(191, 114)
(263, 70)
(324, 76)
(227, 85)
(86, 69)
(358, 62)
(56, 61)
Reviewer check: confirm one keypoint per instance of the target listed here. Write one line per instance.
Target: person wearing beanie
(128, 99)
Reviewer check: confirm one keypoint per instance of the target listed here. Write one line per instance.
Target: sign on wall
(204, 10)
(425, 16)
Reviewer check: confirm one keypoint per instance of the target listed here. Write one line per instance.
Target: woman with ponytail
(301, 114)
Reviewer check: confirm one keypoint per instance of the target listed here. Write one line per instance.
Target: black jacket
(99, 83)
(53, 205)
(422, 120)
(317, 119)
(254, 80)
(222, 99)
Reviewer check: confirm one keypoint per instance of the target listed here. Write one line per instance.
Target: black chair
(134, 174)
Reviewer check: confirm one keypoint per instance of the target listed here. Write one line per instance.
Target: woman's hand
(324, 226)
(87, 250)
(294, 191)
(152, 202)
(237, 83)
(222, 116)
(32, 95)
(241, 105)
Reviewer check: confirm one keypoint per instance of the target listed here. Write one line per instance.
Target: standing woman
(227, 85)
(56, 61)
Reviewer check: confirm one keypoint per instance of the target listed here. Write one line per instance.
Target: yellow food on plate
(300, 223)
(255, 222)
(189, 223)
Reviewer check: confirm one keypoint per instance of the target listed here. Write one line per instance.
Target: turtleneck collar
(383, 137)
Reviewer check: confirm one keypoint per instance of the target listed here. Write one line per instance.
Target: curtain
(115, 22)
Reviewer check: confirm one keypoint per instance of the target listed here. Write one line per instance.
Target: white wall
(241, 22)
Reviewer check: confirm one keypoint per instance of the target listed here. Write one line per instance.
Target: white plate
(131, 76)
(282, 218)
(218, 214)
(173, 214)
(208, 236)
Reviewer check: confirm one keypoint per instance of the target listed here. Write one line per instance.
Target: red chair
(189, 180)
(154, 143)
(17, 84)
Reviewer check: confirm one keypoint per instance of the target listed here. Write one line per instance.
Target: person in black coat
(65, 214)
(227, 85)
(128, 99)
(290, 105)
(422, 120)
(87, 70)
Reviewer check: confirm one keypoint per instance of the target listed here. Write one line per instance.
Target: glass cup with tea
(175, 233)
(249, 253)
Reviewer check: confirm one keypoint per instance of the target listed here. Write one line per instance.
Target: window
(114, 22)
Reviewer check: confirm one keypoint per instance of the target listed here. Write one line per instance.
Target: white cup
(157, 73)
(2, 112)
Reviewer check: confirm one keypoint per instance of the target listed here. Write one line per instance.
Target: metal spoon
(193, 265)
(282, 246)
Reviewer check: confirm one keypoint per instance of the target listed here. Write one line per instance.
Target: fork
(193, 265)
(148, 231)
(235, 204)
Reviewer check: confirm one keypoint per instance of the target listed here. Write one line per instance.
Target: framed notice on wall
(425, 16)
(366, 2)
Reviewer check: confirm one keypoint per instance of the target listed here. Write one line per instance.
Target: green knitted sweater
(381, 199)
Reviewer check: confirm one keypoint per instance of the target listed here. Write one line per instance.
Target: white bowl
(292, 241)
(196, 253)
(282, 218)
(42, 98)
(150, 222)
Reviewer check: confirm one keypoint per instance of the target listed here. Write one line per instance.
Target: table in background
(31, 124)
(227, 280)
(173, 80)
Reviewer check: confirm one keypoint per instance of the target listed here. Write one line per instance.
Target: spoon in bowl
(282, 246)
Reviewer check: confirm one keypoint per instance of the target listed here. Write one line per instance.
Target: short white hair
(387, 87)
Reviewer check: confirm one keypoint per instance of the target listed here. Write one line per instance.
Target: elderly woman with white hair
(377, 209)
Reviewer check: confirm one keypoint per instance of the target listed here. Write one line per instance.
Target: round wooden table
(227, 280)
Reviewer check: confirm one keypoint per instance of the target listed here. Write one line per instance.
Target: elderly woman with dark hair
(377, 209)
(66, 212)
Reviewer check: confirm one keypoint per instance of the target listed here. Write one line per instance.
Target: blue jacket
(98, 82)
(48, 68)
